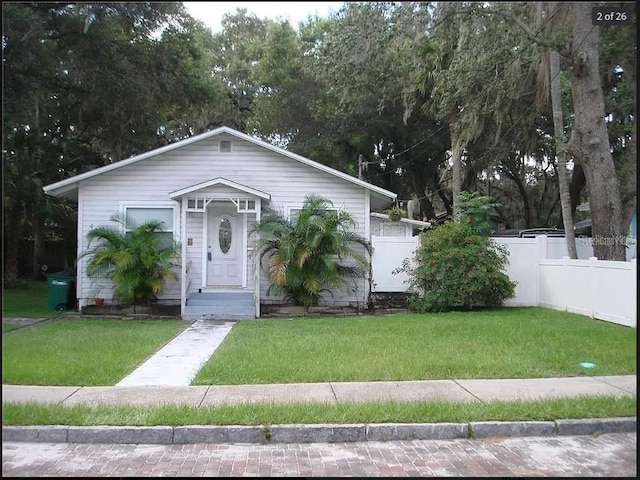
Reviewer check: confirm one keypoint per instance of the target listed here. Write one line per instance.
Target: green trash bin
(59, 291)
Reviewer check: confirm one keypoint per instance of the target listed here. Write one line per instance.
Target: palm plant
(138, 261)
(311, 253)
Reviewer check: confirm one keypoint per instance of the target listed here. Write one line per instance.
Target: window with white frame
(294, 211)
(136, 215)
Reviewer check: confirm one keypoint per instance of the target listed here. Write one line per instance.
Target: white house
(208, 189)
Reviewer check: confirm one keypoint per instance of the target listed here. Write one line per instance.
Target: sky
(211, 12)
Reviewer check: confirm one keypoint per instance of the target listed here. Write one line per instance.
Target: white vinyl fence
(599, 289)
(388, 254)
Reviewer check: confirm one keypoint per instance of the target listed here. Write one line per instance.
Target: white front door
(224, 246)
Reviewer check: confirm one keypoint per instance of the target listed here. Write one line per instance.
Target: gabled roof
(219, 181)
(69, 186)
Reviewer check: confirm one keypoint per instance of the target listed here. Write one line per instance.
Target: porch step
(219, 306)
(221, 298)
(217, 313)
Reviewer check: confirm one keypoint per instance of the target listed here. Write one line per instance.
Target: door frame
(243, 252)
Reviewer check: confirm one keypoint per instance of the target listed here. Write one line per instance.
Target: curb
(317, 433)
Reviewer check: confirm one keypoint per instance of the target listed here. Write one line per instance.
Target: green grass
(344, 412)
(502, 343)
(505, 343)
(29, 300)
(82, 351)
(8, 326)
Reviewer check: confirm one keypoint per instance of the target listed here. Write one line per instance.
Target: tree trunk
(563, 179)
(456, 159)
(446, 201)
(38, 248)
(576, 185)
(525, 198)
(590, 141)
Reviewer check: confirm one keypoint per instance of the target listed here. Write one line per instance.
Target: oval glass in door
(225, 235)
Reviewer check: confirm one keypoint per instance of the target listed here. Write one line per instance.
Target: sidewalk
(452, 390)
(419, 390)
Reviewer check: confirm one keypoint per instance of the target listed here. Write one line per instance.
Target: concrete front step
(222, 299)
(222, 295)
(222, 309)
(231, 302)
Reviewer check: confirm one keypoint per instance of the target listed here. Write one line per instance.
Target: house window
(225, 146)
(245, 205)
(293, 212)
(196, 204)
(137, 215)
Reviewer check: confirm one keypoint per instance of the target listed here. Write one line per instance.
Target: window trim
(175, 230)
(298, 206)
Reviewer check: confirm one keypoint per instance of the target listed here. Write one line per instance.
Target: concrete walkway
(178, 362)
(418, 390)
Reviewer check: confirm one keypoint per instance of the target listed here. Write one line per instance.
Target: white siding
(195, 252)
(153, 179)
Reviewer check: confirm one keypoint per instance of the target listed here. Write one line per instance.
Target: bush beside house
(312, 253)
(137, 259)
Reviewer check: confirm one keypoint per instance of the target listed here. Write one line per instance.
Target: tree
(138, 261)
(86, 84)
(618, 71)
(589, 140)
(589, 144)
(236, 52)
(312, 253)
(563, 178)
(579, 43)
(478, 78)
(477, 211)
(364, 62)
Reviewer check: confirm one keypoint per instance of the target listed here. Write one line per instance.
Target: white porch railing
(186, 284)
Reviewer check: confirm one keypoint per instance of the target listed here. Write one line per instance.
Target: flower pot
(99, 301)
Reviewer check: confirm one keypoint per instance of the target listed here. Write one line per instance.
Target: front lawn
(82, 351)
(29, 300)
(503, 343)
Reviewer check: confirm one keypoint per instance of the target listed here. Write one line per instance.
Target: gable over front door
(224, 246)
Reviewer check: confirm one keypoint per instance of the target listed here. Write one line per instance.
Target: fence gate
(388, 254)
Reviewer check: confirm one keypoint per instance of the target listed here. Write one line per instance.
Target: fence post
(541, 254)
(592, 297)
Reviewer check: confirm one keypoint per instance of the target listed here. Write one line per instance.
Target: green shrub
(138, 262)
(454, 267)
(312, 253)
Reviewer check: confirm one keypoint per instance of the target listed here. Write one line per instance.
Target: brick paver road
(607, 455)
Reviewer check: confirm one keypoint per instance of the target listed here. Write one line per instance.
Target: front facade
(208, 190)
